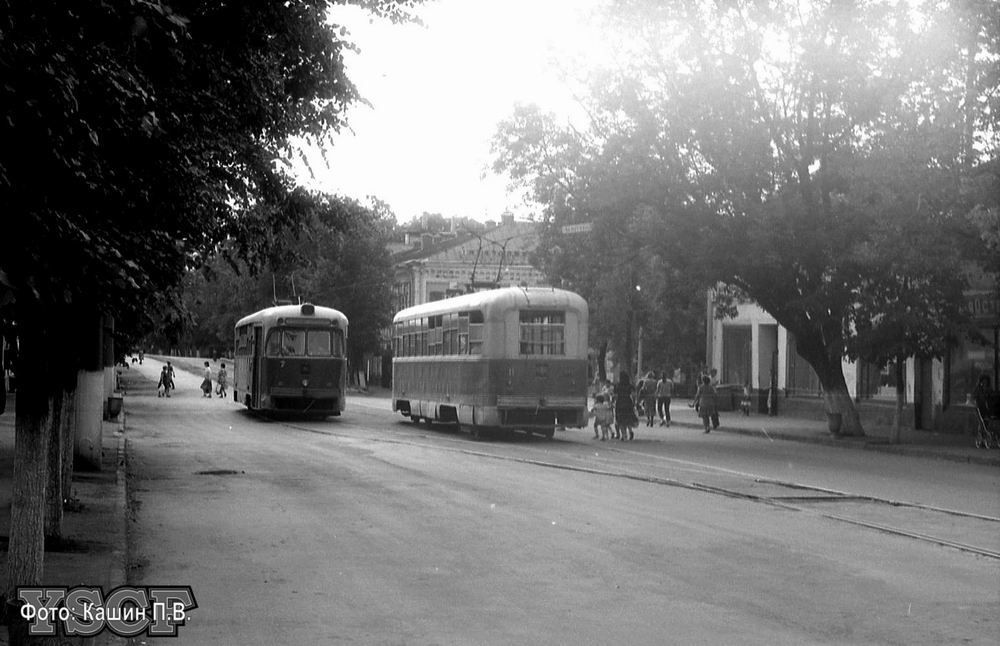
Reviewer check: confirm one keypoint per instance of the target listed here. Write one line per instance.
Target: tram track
(807, 499)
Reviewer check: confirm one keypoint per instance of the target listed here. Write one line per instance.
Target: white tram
(510, 359)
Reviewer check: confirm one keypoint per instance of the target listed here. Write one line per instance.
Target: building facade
(435, 267)
(752, 348)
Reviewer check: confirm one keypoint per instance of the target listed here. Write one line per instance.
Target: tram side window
(463, 333)
(475, 332)
(438, 336)
(446, 336)
(543, 333)
(242, 340)
(453, 329)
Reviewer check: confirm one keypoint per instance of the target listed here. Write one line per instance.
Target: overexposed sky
(437, 92)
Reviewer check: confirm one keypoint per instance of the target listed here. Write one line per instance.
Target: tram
(291, 358)
(504, 359)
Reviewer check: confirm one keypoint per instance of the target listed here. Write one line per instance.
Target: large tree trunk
(897, 418)
(54, 485)
(837, 396)
(68, 432)
(26, 549)
(602, 356)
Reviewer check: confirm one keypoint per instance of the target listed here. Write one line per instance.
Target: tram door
(255, 361)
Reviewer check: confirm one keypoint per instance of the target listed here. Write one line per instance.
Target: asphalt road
(368, 529)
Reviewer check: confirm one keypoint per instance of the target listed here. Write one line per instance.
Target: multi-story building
(436, 266)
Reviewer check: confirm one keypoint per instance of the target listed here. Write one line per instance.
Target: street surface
(370, 529)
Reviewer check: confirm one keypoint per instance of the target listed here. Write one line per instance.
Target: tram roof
(498, 299)
(294, 311)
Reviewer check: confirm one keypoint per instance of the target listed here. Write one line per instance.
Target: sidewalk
(93, 551)
(956, 447)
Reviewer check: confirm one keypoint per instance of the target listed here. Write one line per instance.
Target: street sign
(583, 227)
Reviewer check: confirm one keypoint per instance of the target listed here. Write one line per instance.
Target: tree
(336, 256)
(630, 285)
(137, 138)
(750, 135)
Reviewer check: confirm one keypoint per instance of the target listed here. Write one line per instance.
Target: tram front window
(319, 343)
(293, 343)
(301, 343)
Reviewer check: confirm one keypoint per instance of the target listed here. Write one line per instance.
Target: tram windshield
(288, 342)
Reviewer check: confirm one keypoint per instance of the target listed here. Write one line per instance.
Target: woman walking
(664, 393)
(206, 384)
(706, 404)
(625, 417)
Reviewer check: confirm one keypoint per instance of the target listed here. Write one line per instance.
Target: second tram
(511, 359)
(291, 358)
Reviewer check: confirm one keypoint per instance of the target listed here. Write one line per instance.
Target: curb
(869, 444)
(118, 563)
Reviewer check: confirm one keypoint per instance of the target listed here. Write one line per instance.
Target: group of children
(166, 383)
(615, 409)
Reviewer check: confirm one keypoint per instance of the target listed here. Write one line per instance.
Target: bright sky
(437, 93)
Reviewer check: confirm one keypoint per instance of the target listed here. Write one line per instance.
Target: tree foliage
(810, 154)
(139, 138)
(337, 257)
(630, 283)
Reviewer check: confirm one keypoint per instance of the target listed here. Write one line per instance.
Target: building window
(967, 362)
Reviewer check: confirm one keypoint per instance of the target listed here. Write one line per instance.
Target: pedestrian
(603, 415)
(713, 375)
(625, 417)
(206, 384)
(664, 393)
(222, 380)
(600, 390)
(162, 387)
(987, 400)
(167, 375)
(608, 392)
(647, 397)
(746, 401)
(705, 402)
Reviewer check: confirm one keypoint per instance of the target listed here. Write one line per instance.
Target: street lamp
(638, 371)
